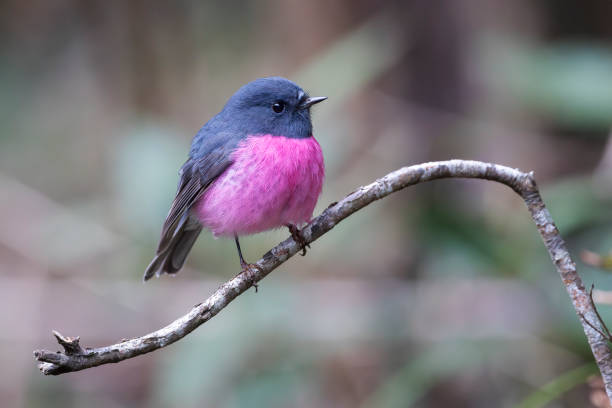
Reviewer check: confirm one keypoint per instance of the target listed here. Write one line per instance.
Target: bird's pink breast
(273, 181)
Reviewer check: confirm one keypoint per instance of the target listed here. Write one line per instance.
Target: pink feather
(273, 181)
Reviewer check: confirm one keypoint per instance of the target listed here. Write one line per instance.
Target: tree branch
(75, 358)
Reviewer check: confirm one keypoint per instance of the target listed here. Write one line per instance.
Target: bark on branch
(75, 358)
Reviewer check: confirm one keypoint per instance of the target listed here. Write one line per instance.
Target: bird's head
(273, 106)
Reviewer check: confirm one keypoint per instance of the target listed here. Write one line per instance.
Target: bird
(253, 167)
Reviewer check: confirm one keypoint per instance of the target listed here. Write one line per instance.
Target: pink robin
(253, 167)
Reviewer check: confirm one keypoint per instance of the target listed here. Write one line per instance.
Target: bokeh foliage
(441, 295)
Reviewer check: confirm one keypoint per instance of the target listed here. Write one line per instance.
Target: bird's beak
(308, 102)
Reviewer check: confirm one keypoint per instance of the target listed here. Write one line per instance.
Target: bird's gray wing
(196, 176)
(179, 231)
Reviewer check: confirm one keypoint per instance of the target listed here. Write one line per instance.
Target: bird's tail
(171, 258)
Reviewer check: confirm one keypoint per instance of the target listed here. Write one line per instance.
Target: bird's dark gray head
(273, 105)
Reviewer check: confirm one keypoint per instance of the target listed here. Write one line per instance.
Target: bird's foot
(251, 271)
(297, 236)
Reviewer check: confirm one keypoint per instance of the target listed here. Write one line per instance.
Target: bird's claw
(251, 271)
(297, 236)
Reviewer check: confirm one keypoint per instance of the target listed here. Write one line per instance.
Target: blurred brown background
(439, 296)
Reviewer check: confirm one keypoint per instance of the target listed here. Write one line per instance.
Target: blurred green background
(441, 295)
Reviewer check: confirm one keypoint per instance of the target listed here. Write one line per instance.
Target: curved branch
(75, 358)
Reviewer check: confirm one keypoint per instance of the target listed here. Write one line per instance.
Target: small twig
(594, 327)
(601, 321)
(70, 344)
(605, 332)
(522, 183)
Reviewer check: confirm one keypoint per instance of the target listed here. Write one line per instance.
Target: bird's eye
(278, 106)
